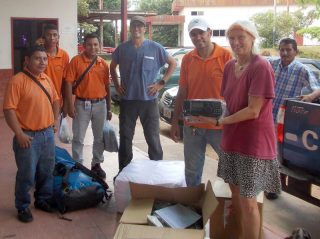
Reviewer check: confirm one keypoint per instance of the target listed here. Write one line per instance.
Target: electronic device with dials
(203, 107)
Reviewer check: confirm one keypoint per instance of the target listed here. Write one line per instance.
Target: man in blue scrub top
(139, 60)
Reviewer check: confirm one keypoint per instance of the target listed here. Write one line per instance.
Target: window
(218, 33)
(197, 13)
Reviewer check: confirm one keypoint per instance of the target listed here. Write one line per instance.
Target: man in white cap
(200, 78)
(139, 61)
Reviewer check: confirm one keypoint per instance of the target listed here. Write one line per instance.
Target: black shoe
(25, 215)
(44, 206)
(271, 196)
(98, 170)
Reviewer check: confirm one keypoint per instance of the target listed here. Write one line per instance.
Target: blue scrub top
(139, 67)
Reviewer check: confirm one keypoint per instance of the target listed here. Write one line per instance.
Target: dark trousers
(148, 113)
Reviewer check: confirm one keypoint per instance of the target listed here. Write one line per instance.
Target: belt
(91, 100)
(37, 130)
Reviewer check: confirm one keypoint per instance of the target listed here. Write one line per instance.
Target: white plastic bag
(109, 138)
(141, 170)
(65, 132)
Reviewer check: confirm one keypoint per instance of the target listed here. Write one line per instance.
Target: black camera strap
(32, 77)
(78, 81)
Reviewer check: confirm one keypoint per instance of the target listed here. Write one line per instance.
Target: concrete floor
(280, 216)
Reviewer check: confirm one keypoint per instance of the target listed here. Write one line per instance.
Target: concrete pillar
(124, 18)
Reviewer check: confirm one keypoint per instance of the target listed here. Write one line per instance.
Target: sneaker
(25, 215)
(43, 206)
(271, 196)
(98, 170)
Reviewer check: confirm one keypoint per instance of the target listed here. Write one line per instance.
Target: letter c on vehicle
(305, 135)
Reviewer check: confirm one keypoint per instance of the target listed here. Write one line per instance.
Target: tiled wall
(5, 75)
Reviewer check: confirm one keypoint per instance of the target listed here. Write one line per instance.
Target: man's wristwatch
(162, 82)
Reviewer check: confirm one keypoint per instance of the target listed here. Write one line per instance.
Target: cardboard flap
(183, 195)
(129, 231)
(210, 203)
(136, 211)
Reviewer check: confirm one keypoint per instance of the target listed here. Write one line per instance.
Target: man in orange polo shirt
(58, 58)
(31, 115)
(92, 101)
(200, 78)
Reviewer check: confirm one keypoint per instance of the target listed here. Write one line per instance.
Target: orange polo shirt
(31, 104)
(203, 77)
(57, 67)
(94, 83)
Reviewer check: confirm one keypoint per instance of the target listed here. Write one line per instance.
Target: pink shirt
(256, 137)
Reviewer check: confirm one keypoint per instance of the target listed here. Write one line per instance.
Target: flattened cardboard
(130, 231)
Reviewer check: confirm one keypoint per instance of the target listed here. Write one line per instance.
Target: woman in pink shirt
(248, 148)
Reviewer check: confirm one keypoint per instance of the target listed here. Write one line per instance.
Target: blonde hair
(249, 28)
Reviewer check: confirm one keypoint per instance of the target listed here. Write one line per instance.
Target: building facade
(222, 13)
(22, 22)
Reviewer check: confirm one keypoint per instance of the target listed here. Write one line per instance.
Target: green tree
(161, 7)
(83, 11)
(165, 35)
(108, 30)
(285, 24)
(314, 31)
(315, 2)
(264, 23)
(108, 34)
(83, 8)
(112, 5)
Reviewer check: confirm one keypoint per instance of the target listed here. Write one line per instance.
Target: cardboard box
(131, 231)
(224, 224)
(134, 217)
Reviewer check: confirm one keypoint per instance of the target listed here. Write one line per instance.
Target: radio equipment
(203, 107)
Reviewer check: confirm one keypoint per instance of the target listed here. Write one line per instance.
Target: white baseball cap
(198, 23)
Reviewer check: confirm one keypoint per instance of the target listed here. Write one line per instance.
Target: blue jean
(148, 113)
(195, 141)
(35, 166)
(97, 114)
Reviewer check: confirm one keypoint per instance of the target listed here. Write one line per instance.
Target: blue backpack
(75, 186)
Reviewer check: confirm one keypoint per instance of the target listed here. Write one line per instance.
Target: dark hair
(289, 40)
(50, 27)
(32, 49)
(90, 36)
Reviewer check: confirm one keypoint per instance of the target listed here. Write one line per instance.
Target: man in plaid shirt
(291, 76)
(292, 79)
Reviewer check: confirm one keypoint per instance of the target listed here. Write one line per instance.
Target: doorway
(25, 32)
